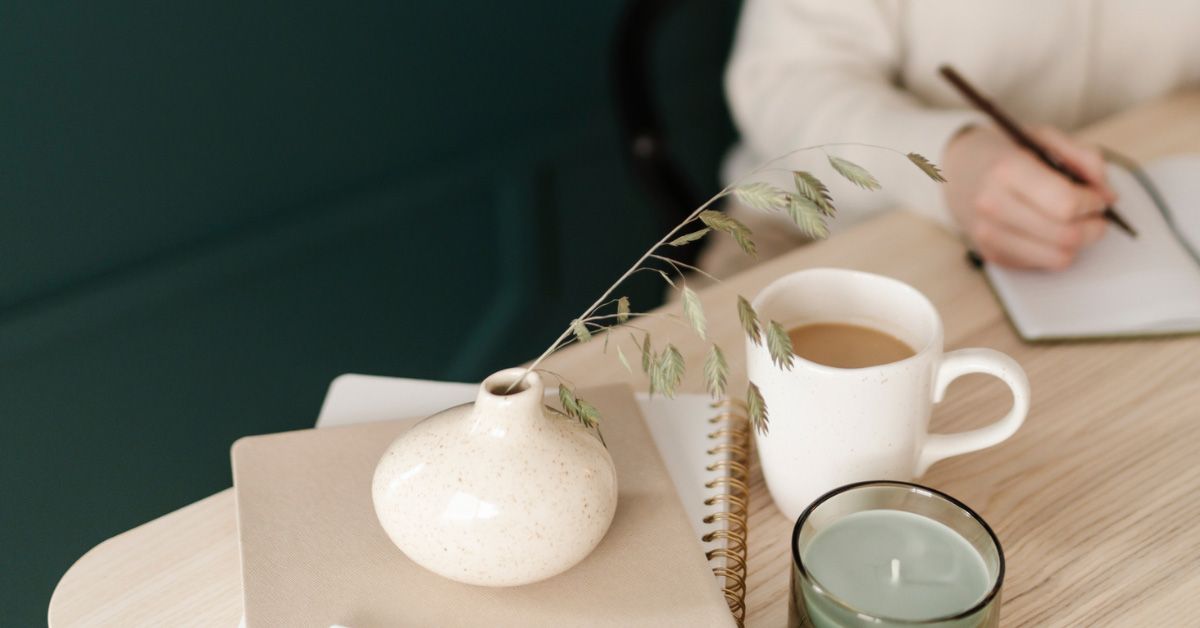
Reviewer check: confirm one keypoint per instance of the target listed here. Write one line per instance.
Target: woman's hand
(1017, 211)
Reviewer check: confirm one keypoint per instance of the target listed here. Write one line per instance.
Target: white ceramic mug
(833, 426)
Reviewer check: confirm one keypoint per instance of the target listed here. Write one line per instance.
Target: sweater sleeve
(807, 72)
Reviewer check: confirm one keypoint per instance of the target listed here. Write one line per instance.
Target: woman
(807, 72)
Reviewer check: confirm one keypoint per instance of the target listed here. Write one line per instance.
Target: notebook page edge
(1089, 299)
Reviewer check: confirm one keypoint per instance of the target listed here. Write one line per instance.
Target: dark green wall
(208, 211)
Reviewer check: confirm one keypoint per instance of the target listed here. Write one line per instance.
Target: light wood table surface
(1096, 499)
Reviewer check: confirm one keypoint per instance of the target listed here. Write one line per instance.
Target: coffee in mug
(847, 346)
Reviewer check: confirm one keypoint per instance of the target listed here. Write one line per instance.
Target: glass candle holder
(887, 553)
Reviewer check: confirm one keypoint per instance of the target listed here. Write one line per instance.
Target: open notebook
(1122, 286)
(704, 462)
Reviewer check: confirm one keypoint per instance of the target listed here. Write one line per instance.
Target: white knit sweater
(807, 72)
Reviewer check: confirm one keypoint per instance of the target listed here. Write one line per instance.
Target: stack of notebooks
(313, 553)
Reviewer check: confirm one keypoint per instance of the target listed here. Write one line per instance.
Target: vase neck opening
(506, 399)
(509, 382)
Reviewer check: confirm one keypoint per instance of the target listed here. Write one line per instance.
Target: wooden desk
(1095, 500)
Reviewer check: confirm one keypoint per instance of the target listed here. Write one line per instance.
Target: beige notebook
(314, 555)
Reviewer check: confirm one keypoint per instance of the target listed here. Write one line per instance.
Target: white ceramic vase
(501, 492)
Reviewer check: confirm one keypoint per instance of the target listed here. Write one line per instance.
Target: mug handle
(956, 364)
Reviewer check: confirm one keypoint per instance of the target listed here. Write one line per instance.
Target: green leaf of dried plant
(567, 398)
(647, 354)
(757, 409)
(779, 345)
(762, 196)
(670, 370)
(589, 417)
(690, 237)
(579, 328)
(745, 243)
(655, 375)
(928, 167)
(854, 173)
(622, 309)
(749, 320)
(693, 311)
(665, 276)
(721, 222)
(624, 362)
(588, 414)
(716, 372)
(808, 217)
(814, 190)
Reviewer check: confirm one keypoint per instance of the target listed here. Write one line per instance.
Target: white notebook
(1121, 286)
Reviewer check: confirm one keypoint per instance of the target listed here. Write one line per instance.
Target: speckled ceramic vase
(501, 492)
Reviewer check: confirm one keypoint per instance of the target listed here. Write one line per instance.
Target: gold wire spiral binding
(726, 498)
(733, 495)
(728, 481)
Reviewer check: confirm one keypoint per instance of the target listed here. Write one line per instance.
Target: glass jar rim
(977, 607)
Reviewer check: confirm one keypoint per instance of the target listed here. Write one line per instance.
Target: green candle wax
(899, 565)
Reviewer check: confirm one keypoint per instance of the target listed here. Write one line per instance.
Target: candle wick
(895, 571)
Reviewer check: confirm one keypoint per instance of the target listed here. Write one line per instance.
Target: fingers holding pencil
(1016, 211)
(1023, 139)
(1086, 159)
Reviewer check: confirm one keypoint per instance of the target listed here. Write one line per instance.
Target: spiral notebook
(702, 453)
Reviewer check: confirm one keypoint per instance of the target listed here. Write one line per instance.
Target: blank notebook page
(1119, 286)
(1178, 181)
